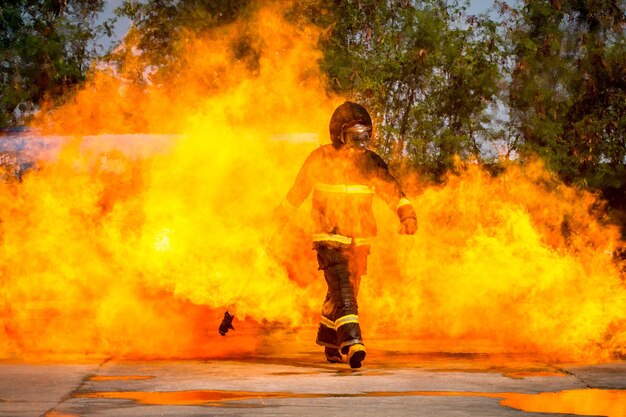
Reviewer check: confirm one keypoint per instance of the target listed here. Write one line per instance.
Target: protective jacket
(344, 177)
(344, 184)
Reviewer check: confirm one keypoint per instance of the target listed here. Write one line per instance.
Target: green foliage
(567, 97)
(568, 91)
(426, 71)
(162, 25)
(45, 49)
(546, 78)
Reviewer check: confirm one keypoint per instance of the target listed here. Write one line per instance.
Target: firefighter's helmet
(349, 115)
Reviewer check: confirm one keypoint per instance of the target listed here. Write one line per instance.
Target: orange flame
(110, 253)
(519, 260)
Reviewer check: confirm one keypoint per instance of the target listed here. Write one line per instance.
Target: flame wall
(107, 253)
(519, 260)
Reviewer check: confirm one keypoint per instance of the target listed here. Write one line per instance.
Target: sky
(479, 6)
(476, 7)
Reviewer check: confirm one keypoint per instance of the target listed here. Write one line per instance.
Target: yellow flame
(109, 253)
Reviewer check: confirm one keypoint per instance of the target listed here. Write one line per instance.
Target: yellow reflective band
(350, 318)
(344, 188)
(326, 322)
(361, 241)
(351, 344)
(403, 202)
(356, 348)
(323, 237)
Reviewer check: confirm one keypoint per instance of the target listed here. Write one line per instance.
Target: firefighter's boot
(332, 355)
(356, 355)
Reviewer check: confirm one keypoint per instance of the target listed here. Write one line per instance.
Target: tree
(567, 97)
(161, 25)
(45, 49)
(568, 90)
(426, 70)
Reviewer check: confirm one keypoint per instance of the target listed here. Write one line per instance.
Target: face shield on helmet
(347, 115)
(356, 137)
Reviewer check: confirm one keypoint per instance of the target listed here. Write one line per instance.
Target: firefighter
(344, 176)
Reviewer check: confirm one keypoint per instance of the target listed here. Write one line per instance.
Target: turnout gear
(343, 178)
(356, 354)
(405, 210)
(408, 226)
(332, 355)
(226, 324)
(343, 184)
(343, 267)
(407, 217)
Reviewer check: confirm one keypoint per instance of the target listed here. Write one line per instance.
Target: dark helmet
(346, 115)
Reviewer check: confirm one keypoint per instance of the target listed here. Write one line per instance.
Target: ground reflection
(119, 377)
(591, 402)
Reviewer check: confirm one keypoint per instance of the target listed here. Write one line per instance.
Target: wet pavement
(426, 383)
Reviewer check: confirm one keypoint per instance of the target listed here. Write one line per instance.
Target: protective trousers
(343, 266)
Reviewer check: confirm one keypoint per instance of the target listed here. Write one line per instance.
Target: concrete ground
(426, 383)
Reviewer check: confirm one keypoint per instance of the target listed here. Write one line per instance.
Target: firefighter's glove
(408, 218)
(227, 324)
(408, 226)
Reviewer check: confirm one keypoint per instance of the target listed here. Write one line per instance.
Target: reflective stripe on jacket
(343, 184)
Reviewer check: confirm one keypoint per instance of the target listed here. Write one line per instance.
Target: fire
(519, 260)
(107, 252)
